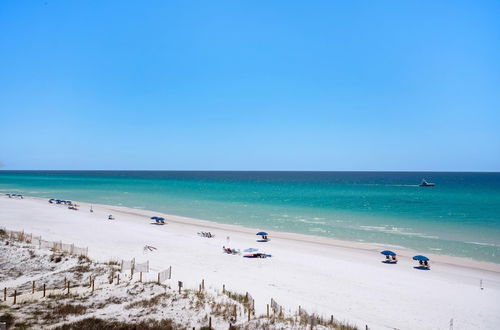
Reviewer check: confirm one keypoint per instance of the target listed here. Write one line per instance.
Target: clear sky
(250, 85)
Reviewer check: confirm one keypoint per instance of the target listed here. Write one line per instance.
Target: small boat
(426, 184)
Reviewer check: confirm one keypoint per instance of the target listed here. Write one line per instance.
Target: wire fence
(43, 244)
(142, 267)
(165, 275)
(127, 264)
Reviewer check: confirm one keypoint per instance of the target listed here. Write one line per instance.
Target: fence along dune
(88, 285)
(56, 246)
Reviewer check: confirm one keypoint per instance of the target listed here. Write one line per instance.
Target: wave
(312, 222)
(396, 231)
(484, 244)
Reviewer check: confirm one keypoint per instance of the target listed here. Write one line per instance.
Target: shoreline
(306, 238)
(348, 280)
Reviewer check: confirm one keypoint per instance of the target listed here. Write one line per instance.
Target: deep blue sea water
(460, 216)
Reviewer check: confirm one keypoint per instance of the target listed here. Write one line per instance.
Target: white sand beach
(344, 279)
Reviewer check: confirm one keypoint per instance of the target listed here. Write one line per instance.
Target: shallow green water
(460, 216)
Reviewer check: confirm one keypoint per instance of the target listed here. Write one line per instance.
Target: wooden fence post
(15, 296)
(158, 278)
(93, 281)
(140, 277)
(65, 280)
(267, 310)
(118, 279)
(210, 323)
(249, 315)
(331, 319)
(235, 314)
(223, 288)
(68, 286)
(4, 294)
(33, 287)
(44, 290)
(203, 284)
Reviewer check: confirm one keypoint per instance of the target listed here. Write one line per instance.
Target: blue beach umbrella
(251, 250)
(262, 233)
(388, 253)
(160, 218)
(420, 258)
(154, 218)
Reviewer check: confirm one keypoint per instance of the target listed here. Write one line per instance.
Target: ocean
(460, 216)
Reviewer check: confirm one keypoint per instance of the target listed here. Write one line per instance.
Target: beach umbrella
(251, 250)
(154, 218)
(420, 258)
(388, 253)
(262, 233)
(160, 218)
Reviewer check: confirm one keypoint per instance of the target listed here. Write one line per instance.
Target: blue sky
(250, 85)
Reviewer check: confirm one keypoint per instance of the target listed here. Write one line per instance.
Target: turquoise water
(460, 216)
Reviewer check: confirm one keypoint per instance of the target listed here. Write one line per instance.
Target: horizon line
(150, 170)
